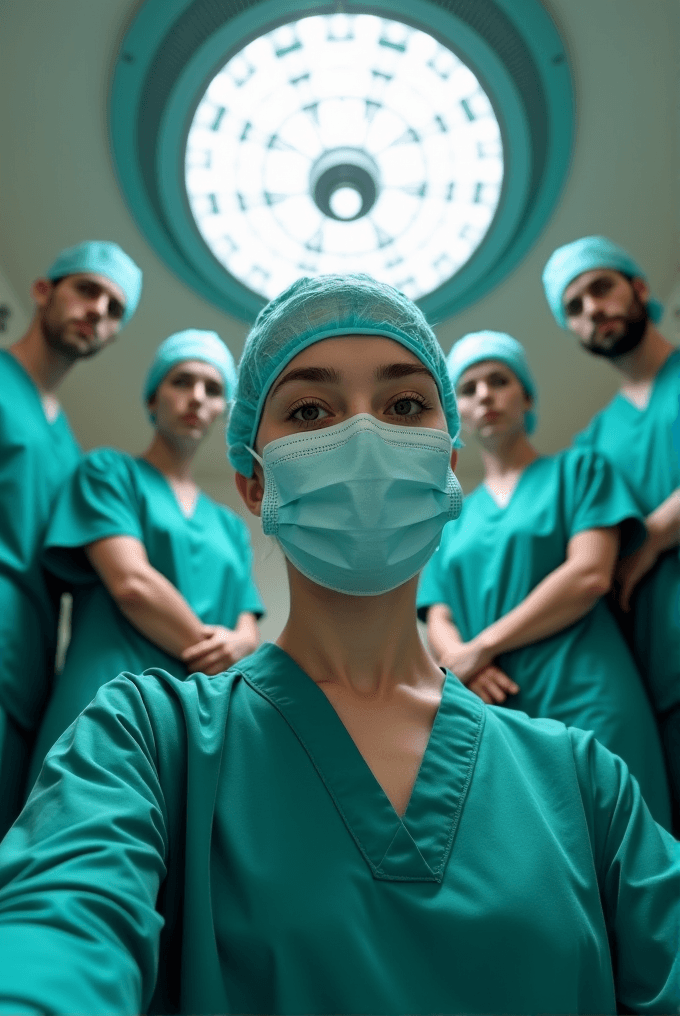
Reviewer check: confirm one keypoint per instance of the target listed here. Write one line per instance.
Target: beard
(635, 326)
(56, 338)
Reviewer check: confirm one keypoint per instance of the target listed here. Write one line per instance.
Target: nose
(99, 306)
(592, 305)
(483, 391)
(198, 393)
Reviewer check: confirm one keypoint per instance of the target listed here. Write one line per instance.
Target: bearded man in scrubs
(86, 296)
(596, 290)
(335, 825)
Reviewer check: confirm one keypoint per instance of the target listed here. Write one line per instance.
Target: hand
(217, 651)
(634, 567)
(492, 685)
(466, 659)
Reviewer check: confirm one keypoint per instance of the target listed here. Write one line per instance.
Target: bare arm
(147, 599)
(561, 598)
(222, 647)
(663, 532)
(490, 683)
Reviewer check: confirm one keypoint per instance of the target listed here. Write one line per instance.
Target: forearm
(442, 633)
(563, 597)
(159, 611)
(663, 524)
(247, 629)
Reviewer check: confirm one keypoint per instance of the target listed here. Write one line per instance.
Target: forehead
(482, 369)
(112, 288)
(198, 369)
(580, 284)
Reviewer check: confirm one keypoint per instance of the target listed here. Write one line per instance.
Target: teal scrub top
(639, 442)
(491, 558)
(36, 458)
(207, 557)
(219, 845)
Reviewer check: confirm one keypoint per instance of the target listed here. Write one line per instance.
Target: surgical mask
(359, 507)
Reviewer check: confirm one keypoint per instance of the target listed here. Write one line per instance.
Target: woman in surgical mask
(336, 825)
(514, 595)
(161, 573)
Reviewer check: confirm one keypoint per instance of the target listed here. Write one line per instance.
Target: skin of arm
(561, 598)
(158, 610)
(663, 533)
(491, 684)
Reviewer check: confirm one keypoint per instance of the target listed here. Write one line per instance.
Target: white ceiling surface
(57, 187)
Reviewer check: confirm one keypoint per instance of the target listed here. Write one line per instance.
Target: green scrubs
(207, 557)
(491, 558)
(639, 442)
(36, 457)
(219, 845)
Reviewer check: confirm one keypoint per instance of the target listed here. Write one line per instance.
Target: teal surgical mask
(359, 507)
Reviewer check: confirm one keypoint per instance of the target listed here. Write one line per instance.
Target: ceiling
(57, 187)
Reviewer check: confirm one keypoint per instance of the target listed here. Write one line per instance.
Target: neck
(171, 459)
(509, 455)
(642, 364)
(366, 644)
(45, 366)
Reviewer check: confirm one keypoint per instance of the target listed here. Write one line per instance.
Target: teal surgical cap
(191, 344)
(478, 346)
(322, 308)
(585, 255)
(102, 258)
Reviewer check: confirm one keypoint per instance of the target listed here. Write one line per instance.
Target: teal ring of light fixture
(174, 47)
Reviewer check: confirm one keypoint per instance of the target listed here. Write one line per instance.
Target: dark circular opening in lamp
(344, 184)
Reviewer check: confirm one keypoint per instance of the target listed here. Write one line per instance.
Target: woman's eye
(309, 413)
(408, 407)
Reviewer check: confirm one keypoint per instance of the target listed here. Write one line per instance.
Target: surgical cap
(191, 344)
(319, 308)
(584, 255)
(478, 346)
(102, 258)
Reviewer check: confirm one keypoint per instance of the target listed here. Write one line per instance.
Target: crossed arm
(663, 532)
(564, 596)
(158, 610)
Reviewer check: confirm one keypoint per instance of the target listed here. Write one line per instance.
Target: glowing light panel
(344, 143)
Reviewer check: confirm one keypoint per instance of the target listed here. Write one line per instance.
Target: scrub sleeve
(206, 557)
(219, 845)
(492, 558)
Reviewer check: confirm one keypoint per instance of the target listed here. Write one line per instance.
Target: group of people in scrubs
(348, 820)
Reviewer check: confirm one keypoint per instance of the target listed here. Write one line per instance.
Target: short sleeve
(250, 600)
(99, 501)
(638, 871)
(598, 496)
(432, 585)
(81, 869)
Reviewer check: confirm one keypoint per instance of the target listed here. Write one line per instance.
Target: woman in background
(514, 595)
(161, 573)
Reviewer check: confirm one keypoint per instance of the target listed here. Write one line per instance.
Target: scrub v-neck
(641, 410)
(172, 492)
(416, 846)
(503, 507)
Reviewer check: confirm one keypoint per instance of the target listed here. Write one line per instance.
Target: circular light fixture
(422, 141)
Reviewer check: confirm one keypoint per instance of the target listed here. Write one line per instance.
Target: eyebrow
(328, 375)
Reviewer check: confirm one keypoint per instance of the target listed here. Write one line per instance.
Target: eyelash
(405, 397)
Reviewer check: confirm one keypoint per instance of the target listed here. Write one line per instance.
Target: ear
(41, 290)
(251, 490)
(641, 289)
(454, 459)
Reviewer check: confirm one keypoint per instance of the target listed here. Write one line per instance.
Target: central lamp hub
(345, 183)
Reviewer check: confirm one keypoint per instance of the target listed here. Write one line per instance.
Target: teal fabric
(639, 442)
(584, 255)
(36, 458)
(218, 845)
(206, 557)
(490, 560)
(102, 257)
(479, 346)
(322, 308)
(191, 344)
(15, 753)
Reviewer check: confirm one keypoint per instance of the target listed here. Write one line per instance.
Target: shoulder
(107, 463)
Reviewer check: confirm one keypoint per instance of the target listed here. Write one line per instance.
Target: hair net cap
(479, 346)
(319, 308)
(102, 257)
(584, 255)
(191, 344)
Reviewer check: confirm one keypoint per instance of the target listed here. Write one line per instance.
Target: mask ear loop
(255, 455)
